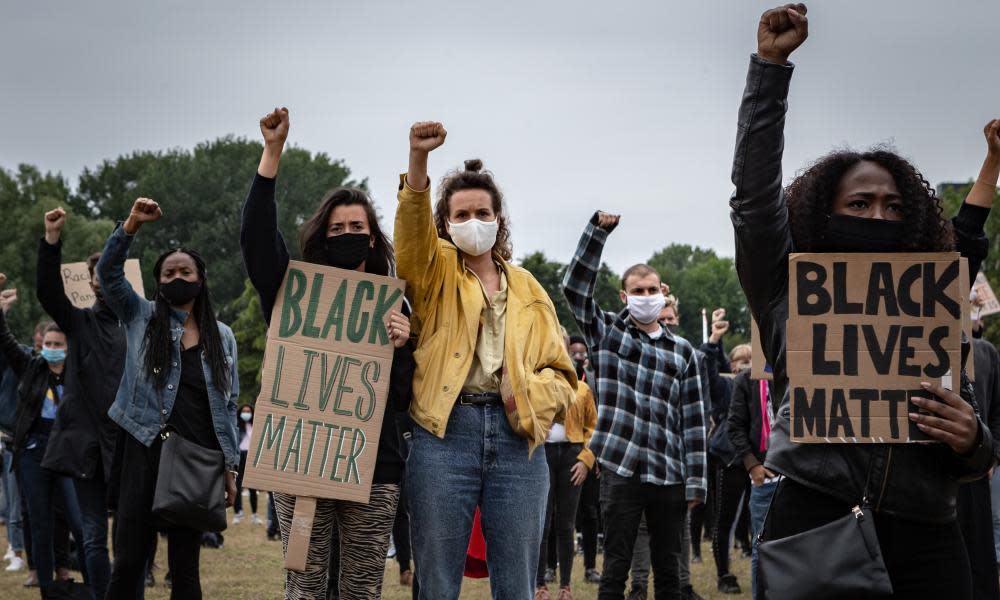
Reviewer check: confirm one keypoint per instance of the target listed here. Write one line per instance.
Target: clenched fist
(144, 210)
(274, 126)
(992, 133)
(607, 221)
(781, 31)
(426, 136)
(7, 297)
(54, 221)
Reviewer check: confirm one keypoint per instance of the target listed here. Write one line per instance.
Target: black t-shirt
(192, 416)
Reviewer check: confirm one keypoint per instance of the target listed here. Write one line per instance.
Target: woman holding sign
(345, 233)
(180, 372)
(874, 202)
(492, 376)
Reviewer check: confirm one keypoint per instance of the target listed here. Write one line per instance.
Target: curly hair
(811, 194)
(473, 178)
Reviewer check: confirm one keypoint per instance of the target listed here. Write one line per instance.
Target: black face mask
(347, 250)
(178, 292)
(580, 364)
(859, 234)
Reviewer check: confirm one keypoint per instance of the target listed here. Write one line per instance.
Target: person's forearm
(269, 160)
(984, 189)
(416, 173)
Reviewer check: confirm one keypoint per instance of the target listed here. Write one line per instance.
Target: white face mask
(645, 309)
(474, 237)
(246, 416)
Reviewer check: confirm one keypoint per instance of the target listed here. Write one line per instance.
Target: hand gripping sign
(863, 331)
(324, 385)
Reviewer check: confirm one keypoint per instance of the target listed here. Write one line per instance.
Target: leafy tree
(702, 279)
(201, 192)
(550, 273)
(251, 339)
(25, 196)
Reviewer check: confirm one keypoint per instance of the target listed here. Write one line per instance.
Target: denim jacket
(137, 404)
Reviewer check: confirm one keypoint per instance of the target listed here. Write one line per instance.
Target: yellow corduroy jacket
(447, 303)
(581, 418)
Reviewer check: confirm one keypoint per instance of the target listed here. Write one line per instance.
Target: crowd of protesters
(624, 437)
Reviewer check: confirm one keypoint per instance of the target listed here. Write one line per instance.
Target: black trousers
(731, 484)
(238, 507)
(924, 560)
(560, 510)
(401, 532)
(623, 502)
(975, 515)
(135, 526)
(588, 518)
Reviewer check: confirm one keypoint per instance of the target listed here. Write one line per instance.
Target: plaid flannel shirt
(650, 415)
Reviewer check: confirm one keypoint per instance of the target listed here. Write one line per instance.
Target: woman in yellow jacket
(492, 376)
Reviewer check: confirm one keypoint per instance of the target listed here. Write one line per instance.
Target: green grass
(249, 568)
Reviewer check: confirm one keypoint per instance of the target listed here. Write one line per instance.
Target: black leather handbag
(840, 560)
(190, 485)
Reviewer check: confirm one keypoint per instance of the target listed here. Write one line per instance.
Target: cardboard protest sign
(984, 292)
(76, 282)
(759, 367)
(324, 384)
(863, 331)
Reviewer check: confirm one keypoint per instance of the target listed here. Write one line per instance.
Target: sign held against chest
(863, 331)
(76, 282)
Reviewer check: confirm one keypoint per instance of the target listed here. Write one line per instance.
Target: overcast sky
(624, 106)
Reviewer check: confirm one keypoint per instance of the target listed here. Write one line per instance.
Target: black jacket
(745, 420)
(266, 258)
(35, 379)
(909, 481)
(82, 443)
(987, 384)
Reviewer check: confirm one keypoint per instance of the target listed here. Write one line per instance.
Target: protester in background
(345, 233)
(855, 202)
(244, 427)
(180, 371)
(570, 460)
(974, 503)
(588, 513)
(646, 378)
(82, 444)
(12, 508)
(751, 412)
(39, 395)
(480, 321)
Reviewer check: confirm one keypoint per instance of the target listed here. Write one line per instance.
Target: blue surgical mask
(246, 416)
(54, 356)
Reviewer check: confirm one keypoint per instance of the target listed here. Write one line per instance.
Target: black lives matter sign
(864, 330)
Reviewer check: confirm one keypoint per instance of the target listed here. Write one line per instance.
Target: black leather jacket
(917, 482)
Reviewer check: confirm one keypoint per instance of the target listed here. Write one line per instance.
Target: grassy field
(249, 568)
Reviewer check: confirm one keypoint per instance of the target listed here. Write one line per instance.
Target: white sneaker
(256, 520)
(9, 555)
(237, 518)
(16, 564)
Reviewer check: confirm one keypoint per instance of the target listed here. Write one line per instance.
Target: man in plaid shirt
(650, 435)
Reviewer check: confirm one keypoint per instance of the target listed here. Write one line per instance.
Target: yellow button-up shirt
(487, 362)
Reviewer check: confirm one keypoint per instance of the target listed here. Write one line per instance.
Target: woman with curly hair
(855, 202)
(483, 324)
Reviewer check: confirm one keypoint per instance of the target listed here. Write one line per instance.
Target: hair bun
(474, 164)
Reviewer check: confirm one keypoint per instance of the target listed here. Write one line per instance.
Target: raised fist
(718, 314)
(426, 136)
(780, 31)
(54, 221)
(607, 221)
(992, 133)
(7, 297)
(274, 126)
(143, 211)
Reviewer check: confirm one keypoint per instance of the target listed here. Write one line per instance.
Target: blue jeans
(760, 499)
(12, 513)
(479, 462)
(92, 497)
(43, 488)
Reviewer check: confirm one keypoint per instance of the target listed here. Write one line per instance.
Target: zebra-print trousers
(364, 542)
